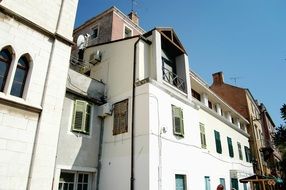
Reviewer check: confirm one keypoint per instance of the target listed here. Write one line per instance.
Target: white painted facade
(30, 124)
(159, 154)
(77, 152)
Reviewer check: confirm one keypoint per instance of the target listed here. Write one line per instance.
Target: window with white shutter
(81, 117)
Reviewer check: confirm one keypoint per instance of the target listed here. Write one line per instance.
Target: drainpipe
(132, 179)
(133, 116)
(99, 152)
(28, 185)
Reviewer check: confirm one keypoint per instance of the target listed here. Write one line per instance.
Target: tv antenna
(234, 79)
(133, 4)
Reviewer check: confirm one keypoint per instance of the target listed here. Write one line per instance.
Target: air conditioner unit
(95, 57)
(105, 110)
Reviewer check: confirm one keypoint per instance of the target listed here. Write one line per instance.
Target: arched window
(5, 61)
(20, 77)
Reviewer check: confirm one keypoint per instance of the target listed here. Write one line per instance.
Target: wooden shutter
(178, 121)
(230, 148)
(247, 154)
(87, 118)
(239, 151)
(120, 122)
(217, 142)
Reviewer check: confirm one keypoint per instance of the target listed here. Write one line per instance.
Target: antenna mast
(132, 5)
(234, 79)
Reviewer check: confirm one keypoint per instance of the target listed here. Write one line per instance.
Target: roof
(170, 35)
(111, 9)
(256, 178)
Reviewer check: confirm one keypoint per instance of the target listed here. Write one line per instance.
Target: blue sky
(245, 39)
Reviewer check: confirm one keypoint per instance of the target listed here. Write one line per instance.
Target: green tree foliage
(280, 137)
(283, 112)
(280, 134)
(280, 140)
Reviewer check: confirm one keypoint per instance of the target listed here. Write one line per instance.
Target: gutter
(132, 179)
(99, 152)
(133, 109)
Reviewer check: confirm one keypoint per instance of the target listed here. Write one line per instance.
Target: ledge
(20, 105)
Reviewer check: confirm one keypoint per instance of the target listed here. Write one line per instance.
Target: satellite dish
(80, 42)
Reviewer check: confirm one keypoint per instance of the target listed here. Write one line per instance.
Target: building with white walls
(158, 136)
(110, 25)
(80, 134)
(35, 45)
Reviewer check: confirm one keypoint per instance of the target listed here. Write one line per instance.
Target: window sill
(18, 103)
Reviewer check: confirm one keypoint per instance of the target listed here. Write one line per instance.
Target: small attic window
(94, 32)
(127, 32)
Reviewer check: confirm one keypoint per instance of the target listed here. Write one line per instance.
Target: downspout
(99, 152)
(28, 185)
(133, 116)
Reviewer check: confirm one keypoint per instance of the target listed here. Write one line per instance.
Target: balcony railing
(173, 79)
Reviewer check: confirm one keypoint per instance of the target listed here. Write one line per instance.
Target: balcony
(173, 79)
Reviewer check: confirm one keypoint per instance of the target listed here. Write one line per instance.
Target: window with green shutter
(81, 117)
(247, 154)
(230, 147)
(217, 142)
(178, 121)
(203, 136)
(239, 151)
(180, 182)
(234, 183)
(120, 118)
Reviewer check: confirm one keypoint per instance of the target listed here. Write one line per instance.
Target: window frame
(96, 27)
(86, 111)
(196, 95)
(230, 147)
(207, 183)
(22, 83)
(8, 64)
(130, 31)
(247, 154)
(203, 135)
(119, 117)
(239, 147)
(184, 180)
(75, 181)
(222, 181)
(218, 142)
(234, 183)
(177, 115)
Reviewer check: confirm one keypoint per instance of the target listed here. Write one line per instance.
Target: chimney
(134, 17)
(218, 78)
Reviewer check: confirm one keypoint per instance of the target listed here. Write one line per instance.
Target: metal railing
(173, 79)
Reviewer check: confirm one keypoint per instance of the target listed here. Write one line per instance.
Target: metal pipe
(99, 152)
(133, 116)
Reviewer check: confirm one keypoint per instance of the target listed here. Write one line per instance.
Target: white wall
(184, 155)
(44, 91)
(116, 66)
(76, 149)
(158, 155)
(16, 142)
(45, 13)
(20, 125)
